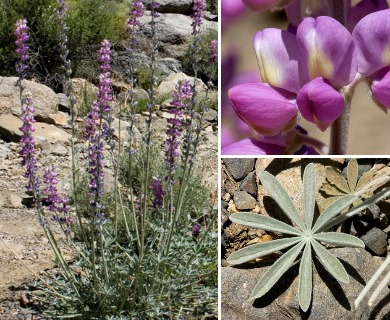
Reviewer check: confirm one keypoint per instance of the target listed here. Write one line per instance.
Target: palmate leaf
(274, 273)
(281, 197)
(330, 262)
(260, 221)
(259, 250)
(305, 280)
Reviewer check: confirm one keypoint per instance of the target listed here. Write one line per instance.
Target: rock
(45, 99)
(63, 102)
(210, 137)
(244, 201)
(138, 94)
(4, 152)
(174, 28)
(375, 240)
(211, 115)
(167, 87)
(9, 127)
(249, 184)
(58, 119)
(124, 131)
(60, 150)
(171, 6)
(82, 90)
(331, 299)
(240, 167)
(10, 200)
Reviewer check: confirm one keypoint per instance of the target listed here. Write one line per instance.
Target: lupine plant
(305, 235)
(147, 249)
(310, 71)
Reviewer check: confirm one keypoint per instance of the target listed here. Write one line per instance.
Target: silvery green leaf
(281, 197)
(258, 250)
(309, 193)
(352, 174)
(260, 221)
(339, 239)
(336, 178)
(331, 211)
(274, 273)
(305, 280)
(330, 262)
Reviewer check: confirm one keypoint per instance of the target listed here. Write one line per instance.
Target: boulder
(171, 6)
(167, 87)
(9, 127)
(45, 99)
(239, 168)
(331, 299)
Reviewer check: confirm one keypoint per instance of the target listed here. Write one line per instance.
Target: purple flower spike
(372, 40)
(280, 60)
(21, 47)
(196, 230)
(380, 87)
(263, 5)
(329, 50)
(320, 103)
(198, 9)
(267, 110)
(158, 192)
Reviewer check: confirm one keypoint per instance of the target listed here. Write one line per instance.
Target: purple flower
(181, 96)
(280, 60)
(213, 55)
(328, 49)
(363, 8)
(198, 9)
(21, 47)
(231, 10)
(157, 192)
(320, 103)
(196, 230)
(137, 9)
(28, 150)
(266, 109)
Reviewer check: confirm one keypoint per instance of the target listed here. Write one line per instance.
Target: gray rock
(170, 6)
(331, 299)
(174, 28)
(249, 184)
(211, 115)
(63, 102)
(244, 201)
(375, 240)
(60, 150)
(168, 86)
(239, 168)
(45, 99)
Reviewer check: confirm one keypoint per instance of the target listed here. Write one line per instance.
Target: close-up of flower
(309, 67)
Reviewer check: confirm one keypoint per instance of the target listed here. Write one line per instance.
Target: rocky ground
(241, 191)
(25, 253)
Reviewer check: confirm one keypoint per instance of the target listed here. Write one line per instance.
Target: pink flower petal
(265, 109)
(320, 103)
(329, 50)
(251, 147)
(381, 88)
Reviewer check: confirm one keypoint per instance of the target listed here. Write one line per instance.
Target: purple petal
(265, 109)
(280, 61)
(231, 10)
(251, 147)
(372, 40)
(381, 88)
(320, 103)
(329, 50)
(364, 8)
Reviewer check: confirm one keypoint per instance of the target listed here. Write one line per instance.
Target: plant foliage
(306, 236)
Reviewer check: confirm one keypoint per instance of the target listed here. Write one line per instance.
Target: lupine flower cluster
(58, 206)
(21, 47)
(311, 70)
(97, 130)
(198, 9)
(28, 151)
(196, 230)
(213, 56)
(137, 9)
(157, 191)
(180, 99)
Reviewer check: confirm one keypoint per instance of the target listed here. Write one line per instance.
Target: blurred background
(369, 132)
